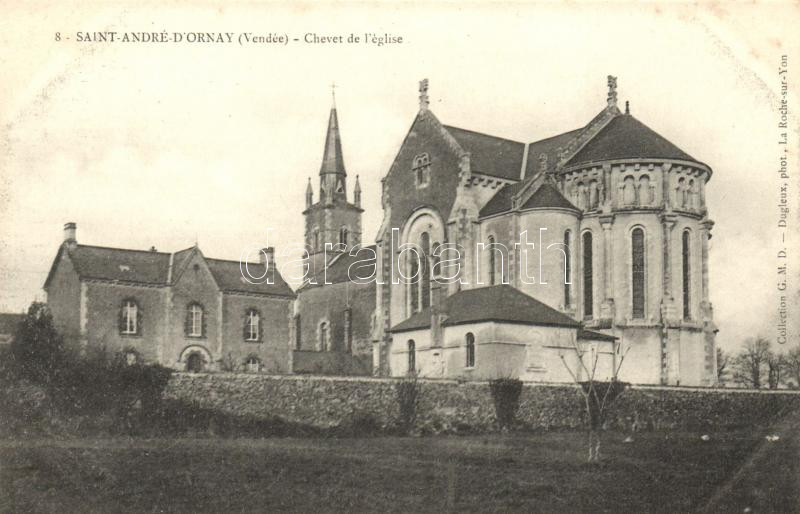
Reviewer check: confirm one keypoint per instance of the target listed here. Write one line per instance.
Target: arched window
(253, 364)
(343, 233)
(629, 191)
(412, 357)
(414, 265)
(567, 269)
(637, 273)
(252, 325)
(422, 170)
(593, 195)
(129, 318)
(680, 192)
(492, 263)
(687, 284)
(195, 362)
(588, 293)
(425, 243)
(195, 320)
(324, 337)
(645, 191)
(470, 347)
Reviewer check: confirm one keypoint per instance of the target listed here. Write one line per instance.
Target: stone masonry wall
(446, 405)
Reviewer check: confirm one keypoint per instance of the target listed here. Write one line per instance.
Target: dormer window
(422, 170)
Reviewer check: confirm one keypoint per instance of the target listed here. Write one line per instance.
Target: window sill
(189, 336)
(133, 335)
(469, 368)
(253, 341)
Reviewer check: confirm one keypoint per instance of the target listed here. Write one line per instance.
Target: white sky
(159, 144)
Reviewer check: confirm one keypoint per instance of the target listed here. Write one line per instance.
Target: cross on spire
(333, 92)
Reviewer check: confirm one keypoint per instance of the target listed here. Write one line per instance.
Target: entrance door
(195, 363)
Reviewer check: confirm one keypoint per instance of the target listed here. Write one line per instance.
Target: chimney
(438, 313)
(70, 229)
(267, 256)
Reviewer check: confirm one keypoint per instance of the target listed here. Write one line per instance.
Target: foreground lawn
(657, 472)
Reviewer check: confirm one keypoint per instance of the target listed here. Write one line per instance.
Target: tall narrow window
(492, 263)
(422, 170)
(686, 253)
(343, 235)
(323, 337)
(567, 268)
(637, 273)
(588, 293)
(412, 357)
(414, 262)
(425, 243)
(194, 320)
(315, 239)
(252, 329)
(470, 347)
(130, 318)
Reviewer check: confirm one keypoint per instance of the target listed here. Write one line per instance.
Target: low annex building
(182, 310)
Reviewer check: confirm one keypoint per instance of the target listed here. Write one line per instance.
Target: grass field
(657, 472)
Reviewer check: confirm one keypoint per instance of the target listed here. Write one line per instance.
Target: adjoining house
(183, 309)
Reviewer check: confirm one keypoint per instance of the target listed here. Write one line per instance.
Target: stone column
(667, 223)
(607, 305)
(705, 235)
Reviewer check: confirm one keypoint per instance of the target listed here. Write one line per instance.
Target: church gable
(425, 171)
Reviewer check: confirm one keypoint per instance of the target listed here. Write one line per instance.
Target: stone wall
(447, 405)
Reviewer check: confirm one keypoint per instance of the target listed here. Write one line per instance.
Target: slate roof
(153, 268)
(332, 158)
(337, 268)
(595, 336)
(625, 137)
(546, 196)
(548, 147)
(501, 303)
(490, 155)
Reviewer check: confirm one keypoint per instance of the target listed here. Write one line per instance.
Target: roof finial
(612, 91)
(423, 95)
(627, 107)
(333, 93)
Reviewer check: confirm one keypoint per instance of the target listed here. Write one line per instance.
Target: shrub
(505, 393)
(37, 348)
(407, 400)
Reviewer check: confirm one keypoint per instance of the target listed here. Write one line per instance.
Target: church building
(595, 239)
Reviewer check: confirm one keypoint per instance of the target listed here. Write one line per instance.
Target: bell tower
(332, 223)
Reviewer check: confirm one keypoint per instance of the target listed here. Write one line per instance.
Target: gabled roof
(625, 137)
(545, 196)
(548, 196)
(490, 155)
(336, 270)
(153, 268)
(332, 158)
(502, 303)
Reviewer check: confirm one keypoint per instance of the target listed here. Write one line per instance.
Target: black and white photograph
(400, 257)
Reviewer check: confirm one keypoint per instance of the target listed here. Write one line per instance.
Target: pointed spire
(309, 194)
(357, 194)
(332, 159)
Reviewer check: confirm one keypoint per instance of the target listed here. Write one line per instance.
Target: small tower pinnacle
(309, 194)
(333, 94)
(423, 95)
(612, 91)
(357, 194)
(627, 107)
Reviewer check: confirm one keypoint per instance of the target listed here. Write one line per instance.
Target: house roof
(625, 137)
(490, 155)
(336, 271)
(153, 268)
(548, 147)
(229, 278)
(502, 303)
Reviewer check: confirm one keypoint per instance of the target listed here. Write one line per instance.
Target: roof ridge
(122, 249)
(483, 134)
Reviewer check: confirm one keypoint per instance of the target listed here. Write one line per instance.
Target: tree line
(757, 365)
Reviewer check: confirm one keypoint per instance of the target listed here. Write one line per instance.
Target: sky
(168, 144)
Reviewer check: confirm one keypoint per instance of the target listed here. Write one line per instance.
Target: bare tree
(599, 396)
(776, 365)
(723, 359)
(751, 363)
(793, 366)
